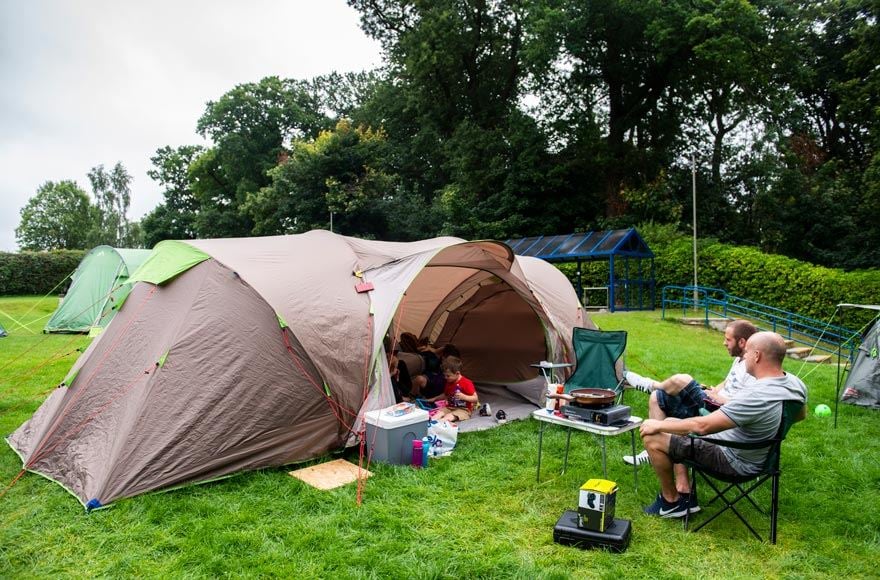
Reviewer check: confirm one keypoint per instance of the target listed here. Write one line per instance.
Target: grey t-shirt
(757, 416)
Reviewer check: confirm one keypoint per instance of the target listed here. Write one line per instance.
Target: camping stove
(601, 415)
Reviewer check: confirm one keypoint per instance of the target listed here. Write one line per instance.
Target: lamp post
(694, 203)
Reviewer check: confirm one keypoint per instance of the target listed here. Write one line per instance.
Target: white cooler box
(389, 438)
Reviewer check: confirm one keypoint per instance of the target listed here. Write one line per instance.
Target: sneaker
(693, 502)
(501, 416)
(668, 509)
(639, 382)
(639, 459)
(485, 410)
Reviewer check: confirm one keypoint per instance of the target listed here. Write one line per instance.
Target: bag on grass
(442, 435)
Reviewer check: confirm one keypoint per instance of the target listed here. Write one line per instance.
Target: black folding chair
(744, 485)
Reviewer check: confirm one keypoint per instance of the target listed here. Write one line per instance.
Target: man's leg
(681, 397)
(639, 382)
(670, 503)
(657, 447)
(418, 385)
(675, 384)
(654, 412)
(672, 385)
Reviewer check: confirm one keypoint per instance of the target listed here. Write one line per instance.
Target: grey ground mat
(499, 397)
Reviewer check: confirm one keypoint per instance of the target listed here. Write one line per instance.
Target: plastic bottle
(417, 453)
(550, 403)
(426, 447)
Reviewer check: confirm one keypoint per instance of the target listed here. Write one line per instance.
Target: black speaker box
(615, 538)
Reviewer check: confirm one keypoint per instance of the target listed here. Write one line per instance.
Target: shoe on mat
(639, 382)
(668, 509)
(639, 459)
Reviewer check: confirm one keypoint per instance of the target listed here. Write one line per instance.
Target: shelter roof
(598, 245)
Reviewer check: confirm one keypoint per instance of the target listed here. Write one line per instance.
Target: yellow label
(600, 485)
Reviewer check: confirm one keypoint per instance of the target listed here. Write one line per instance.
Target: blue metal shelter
(630, 286)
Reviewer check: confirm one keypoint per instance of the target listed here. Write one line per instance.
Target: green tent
(98, 284)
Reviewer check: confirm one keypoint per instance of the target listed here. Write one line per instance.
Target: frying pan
(588, 397)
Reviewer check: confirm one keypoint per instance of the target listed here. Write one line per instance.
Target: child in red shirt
(459, 392)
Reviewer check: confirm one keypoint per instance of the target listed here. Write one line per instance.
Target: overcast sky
(98, 81)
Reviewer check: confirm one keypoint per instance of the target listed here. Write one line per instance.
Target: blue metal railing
(716, 303)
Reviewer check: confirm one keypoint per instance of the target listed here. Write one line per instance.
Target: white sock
(639, 382)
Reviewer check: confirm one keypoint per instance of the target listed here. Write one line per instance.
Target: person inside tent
(401, 382)
(427, 383)
(458, 391)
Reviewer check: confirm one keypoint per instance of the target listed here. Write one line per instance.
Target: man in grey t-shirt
(752, 417)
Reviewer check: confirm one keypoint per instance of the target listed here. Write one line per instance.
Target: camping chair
(744, 485)
(597, 353)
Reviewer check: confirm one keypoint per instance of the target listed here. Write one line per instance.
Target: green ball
(823, 411)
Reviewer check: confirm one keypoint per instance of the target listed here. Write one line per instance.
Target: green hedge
(37, 273)
(770, 279)
(748, 273)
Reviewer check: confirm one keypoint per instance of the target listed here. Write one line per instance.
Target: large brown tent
(237, 354)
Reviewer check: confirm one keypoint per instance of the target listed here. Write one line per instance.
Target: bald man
(750, 418)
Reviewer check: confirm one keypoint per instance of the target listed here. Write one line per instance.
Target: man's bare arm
(702, 425)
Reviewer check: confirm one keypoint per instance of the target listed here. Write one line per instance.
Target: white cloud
(96, 81)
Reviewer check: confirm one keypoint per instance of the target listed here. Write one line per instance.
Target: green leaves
(345, 172)
(59, 217)
(112, 197)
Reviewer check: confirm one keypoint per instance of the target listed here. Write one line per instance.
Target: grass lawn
(478, 513)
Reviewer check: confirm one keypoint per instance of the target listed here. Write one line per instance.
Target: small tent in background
(2, 331)
(237, 354)
(98, 284)
(862, 386)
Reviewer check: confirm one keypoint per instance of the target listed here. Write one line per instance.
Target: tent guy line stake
(13, 482)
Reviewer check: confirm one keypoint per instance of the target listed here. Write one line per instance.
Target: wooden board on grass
(331, 474)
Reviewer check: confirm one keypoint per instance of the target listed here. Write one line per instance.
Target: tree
(112, 194)
(250, 126)
(828, 139)
(344, 172)
(175, 218)
(450, 107)
(59, 217)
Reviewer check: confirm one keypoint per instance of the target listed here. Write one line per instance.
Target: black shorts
(701, 452)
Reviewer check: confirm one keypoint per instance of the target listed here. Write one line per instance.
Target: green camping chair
(597, 353)
(744, 485)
